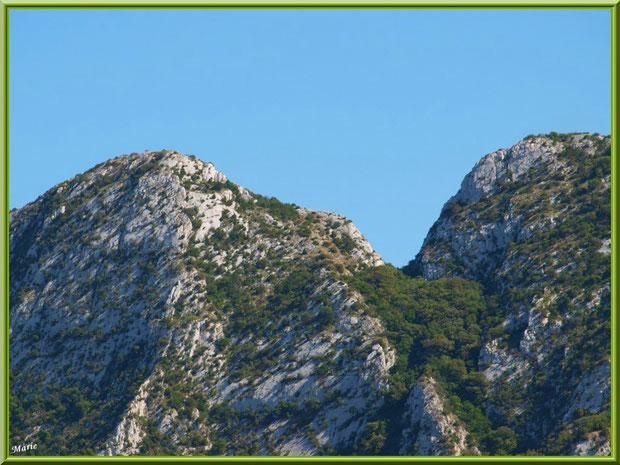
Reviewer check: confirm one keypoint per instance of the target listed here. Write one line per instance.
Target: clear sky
(374, 114)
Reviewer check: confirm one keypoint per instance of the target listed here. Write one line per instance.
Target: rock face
(477, 225)
(157, 308)
(151, 279)
(430, 430)
(532, 224)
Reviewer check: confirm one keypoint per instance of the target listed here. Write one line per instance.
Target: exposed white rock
(592, 392)
(505, 164)
(499, 361)
(431, 430)
(606, 247)
(192, 166)
(595, 445)
(128, 435)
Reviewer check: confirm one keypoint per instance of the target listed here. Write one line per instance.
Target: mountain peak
(186, 164)
(151, 258)
(508, 196)
(507, 165)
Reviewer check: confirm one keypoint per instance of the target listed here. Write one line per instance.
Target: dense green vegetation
(67, 418)
(437, 329)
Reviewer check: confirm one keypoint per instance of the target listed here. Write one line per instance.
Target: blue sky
(374, 114)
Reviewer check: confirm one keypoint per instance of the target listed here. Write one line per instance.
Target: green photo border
(7, 5)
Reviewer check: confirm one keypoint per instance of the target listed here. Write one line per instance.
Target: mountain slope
(151, 280)
(532, 224)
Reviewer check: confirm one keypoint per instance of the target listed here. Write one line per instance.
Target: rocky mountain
(162, 309)
(532, 223)
(157, 308)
